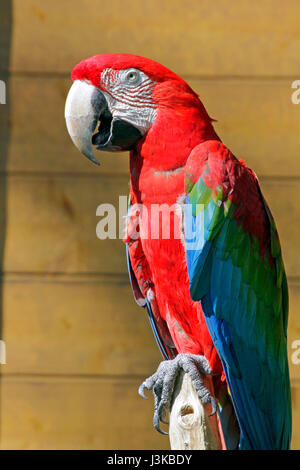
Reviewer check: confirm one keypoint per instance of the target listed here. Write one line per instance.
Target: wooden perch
(191, 427)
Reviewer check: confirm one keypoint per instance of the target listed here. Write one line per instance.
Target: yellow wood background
(77, 345)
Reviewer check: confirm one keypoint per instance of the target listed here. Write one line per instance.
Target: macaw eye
(132, 76)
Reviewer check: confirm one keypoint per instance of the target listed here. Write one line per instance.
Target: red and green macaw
(217, 294)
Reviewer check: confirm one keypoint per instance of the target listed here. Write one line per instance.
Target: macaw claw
(162, 383)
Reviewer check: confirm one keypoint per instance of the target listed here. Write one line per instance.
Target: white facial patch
(129, 95)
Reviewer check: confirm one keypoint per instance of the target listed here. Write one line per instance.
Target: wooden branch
(191, 427)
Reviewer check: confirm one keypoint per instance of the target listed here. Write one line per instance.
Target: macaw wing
(158, 329)
(140, 281)
(236, 271)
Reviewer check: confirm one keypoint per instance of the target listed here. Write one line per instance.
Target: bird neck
(159, 159)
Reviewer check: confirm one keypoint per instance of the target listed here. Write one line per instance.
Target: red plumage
(157, 169)
(157, 176)
(177, 148)
(168, 153)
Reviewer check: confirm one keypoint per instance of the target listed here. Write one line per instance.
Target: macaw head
(122, 95)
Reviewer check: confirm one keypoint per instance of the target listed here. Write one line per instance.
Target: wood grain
(77, 345)
(191, 425)
(76, 326)
(282, 197)
(253, 38)
(51, 223)
(296, 416)
(88, 325)
(76, 413)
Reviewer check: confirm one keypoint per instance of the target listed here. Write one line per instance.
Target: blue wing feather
(225, 274)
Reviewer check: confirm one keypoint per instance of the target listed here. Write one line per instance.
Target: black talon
(214, 406)
(156, 425)
(141, 391)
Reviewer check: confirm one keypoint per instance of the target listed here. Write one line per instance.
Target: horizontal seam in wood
(27, 276)
(67, 75)
(70, 377)
(269, 179)
(87, 377)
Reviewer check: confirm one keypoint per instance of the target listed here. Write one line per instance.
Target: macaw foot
(162, 384)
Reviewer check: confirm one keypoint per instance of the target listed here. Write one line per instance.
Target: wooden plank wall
(77, 346)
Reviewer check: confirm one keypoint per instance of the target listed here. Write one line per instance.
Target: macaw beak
(86, 105)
